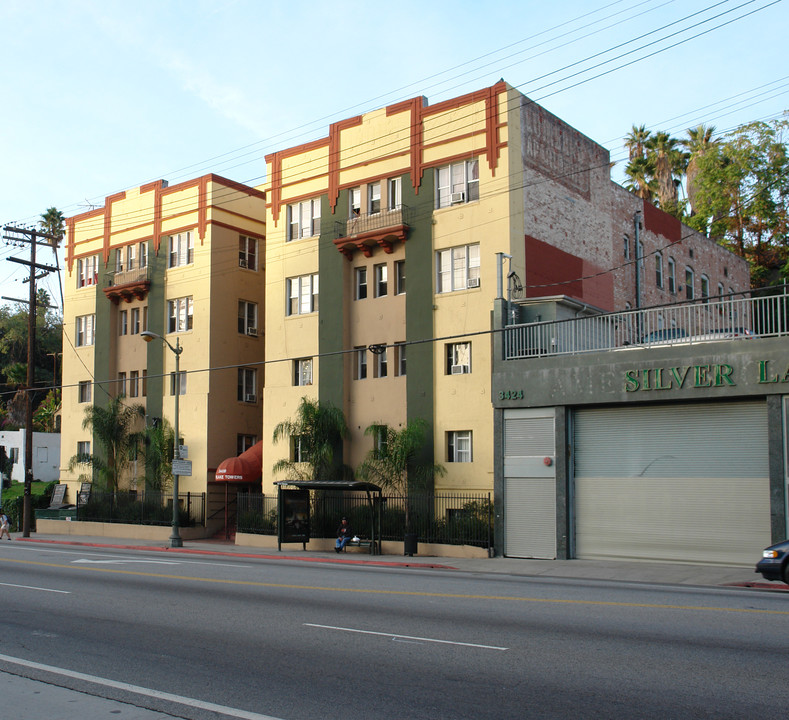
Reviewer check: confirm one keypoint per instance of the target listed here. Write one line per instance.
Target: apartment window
(85, 330)
(302, 371)
(131, 256)
(457, 268)
(399, 277)
(399, 353)
(458, 358)
(87, 271)
(360, 282)
(121, 389)
(144, 383)
(143, 247)
(182, 249)
(123, 322)
(247, 385)
(247, 318)
(361, 363)
(298, 451)
(381, 276)
(85, 391)
(689, 278)
(720, 290)
(304, 219)
(374, 198)
(457, 183)
(354, 202)
(180, 314)
(83, 447)
(247, 252)
(178, 383)
(659, 270)
(302, 294)
(459, 446)
(135, 328)
(626, 247)
(705, 288)
(134, 383)
(120, 260)
(672, 276)
(394, 193)
(381, 363)
(245, 442)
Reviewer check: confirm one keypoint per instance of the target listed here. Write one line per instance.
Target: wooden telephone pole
(32, 236)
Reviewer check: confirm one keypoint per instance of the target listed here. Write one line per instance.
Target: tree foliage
(316, 435)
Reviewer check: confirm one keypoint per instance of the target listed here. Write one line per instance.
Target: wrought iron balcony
(367, 231)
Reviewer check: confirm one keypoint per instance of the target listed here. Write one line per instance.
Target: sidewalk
(616, 570)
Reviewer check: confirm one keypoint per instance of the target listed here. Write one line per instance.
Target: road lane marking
(397, 636)
(147, 692)
(33, 587)
(124, 562)
(399, 593)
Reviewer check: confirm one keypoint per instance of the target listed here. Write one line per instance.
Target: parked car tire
(785, 573)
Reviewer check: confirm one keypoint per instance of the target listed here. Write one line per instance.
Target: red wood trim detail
(70, 222)
(202, 208)
(335, 136)
(108, 223)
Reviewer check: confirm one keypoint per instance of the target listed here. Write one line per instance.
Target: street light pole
(175, 538)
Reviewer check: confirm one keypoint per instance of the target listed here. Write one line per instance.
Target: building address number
(510, 394)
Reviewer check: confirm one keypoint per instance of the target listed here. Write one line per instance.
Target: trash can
(409, 544)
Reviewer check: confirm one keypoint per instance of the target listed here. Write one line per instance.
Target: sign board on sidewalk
(182, 467)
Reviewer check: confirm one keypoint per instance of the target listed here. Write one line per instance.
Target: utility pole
(32, 236)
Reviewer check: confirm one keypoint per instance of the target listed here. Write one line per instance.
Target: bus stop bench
(361, 542)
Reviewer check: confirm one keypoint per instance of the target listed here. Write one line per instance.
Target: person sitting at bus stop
(344, 535)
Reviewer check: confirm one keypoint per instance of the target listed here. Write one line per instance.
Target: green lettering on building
(704, 376)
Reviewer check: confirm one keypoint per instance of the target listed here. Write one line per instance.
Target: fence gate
(530, 483)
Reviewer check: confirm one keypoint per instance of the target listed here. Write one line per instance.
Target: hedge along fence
(149, 508)
(456, 519)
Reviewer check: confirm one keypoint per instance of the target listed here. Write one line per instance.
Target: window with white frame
(134, 383)
(121, 388)
(135, 322)
(247, 252)
(143, 255)
(247, 385)
(399, 353)
(457, 183)
(131, 256)
(689, 282)
(85, 388)
(248, 318)
(298, 449)
(302, 294)
(302, 371)
(87, 271)
(399, 267)
(374, 198)
(120, 260)
(381, 277)
(360, 283)
(458, 358)
(672, 276)
(83, 448)
(85, 333)
(354, 202)
(181, 249)
(245, 442)
(360, 356)
(459, 446)
(457, 268)
(705, 288)
(123, 322)
(304, 219)
(180, 314)
(659, 270)
(178, 383)
(381, 362)
(394, 193)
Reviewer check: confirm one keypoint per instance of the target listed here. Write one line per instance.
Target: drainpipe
(500, 284)
(637, 243)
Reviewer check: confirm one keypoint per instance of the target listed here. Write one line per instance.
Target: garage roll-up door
(672, 482)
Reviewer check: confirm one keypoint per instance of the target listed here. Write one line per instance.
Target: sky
(101, 95)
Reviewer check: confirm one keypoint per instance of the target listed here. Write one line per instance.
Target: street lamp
(175, 538)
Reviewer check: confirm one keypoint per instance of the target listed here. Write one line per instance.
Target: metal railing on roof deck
(715, 318)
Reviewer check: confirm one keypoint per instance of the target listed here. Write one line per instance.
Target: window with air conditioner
(247, 385)
(457, 183)
(247, 252)
(458, 358)
(247, 318)
(457, 268)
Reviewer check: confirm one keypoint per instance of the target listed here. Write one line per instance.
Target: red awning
(246, 468)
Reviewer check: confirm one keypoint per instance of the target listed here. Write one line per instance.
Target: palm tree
(156, 444)
(698, 142)
(397, 461)
(669, 165)
(641, 182)
(52, 223)
(635, 142)
(113, 430)
(316, 434)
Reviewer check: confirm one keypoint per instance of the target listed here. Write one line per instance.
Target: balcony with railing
(728, 317)
(369, 230)
(128, 285)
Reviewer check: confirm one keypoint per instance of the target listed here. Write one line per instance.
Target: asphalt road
(249, 638)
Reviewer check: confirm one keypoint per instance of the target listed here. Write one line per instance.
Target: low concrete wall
(114, 530)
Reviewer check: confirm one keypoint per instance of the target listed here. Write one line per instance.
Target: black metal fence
(148, 508)
(459, 519)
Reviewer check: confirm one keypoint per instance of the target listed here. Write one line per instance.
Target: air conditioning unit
(458, 369)
(251, 398)
(473, 282)
(458, 197)
(252, 332)
(242, 263)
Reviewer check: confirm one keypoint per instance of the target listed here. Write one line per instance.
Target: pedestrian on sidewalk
(5, 525)
(344, 535)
